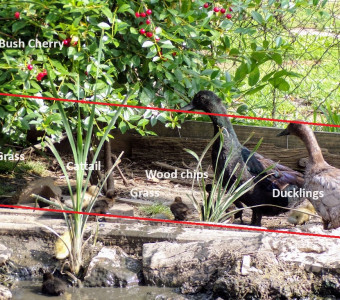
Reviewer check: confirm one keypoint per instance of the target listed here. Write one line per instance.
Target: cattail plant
(80, 147)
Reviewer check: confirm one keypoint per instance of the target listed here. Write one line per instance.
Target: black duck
(282, 177)
(320, 178)
(52, 286)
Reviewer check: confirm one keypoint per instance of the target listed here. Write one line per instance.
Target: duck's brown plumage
(319, 176)
(179, 209)
(282, 177)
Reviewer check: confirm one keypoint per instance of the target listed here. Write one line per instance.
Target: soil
(134, 172)
(37, 249)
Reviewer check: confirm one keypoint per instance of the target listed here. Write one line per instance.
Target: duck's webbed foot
(256, 218)
(325, 224)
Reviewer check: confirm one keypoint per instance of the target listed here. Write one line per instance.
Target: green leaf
(234, 52)
(167, 44)
(147, 44)
(123, 127)
(280, 84)
(284, 85)
(254, 76)
(104, 25)
(123, 8)
(277, 58)
(178, 74)
(143, 122)
(241, 72)
(255, 90)
(18, 25)
(257, 17)
(242, 109)
(152, 52)
(153, 121)
(278, 41)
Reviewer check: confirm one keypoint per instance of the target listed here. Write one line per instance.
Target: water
(31, 290)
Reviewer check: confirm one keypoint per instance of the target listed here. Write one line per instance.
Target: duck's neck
(220, 121)
(313, 148)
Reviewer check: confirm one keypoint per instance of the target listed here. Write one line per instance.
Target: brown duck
(320, 177)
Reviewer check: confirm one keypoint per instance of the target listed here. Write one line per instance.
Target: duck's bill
(284, 132)
(188, 107)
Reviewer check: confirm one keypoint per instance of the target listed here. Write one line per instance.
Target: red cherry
(216, 9)
(148, 21)
(206, 5)
(230, 9)
(149, 11)
(137, 14)
(174, 53)
(86, 73)
(17, 15)
(228, 16)
(142, 31)
(44, 72)
(75, 43)
(222, 10)
(29, 67)
(149, 34)
(143, 14)
(66, 43)
(40, 76)
(141, 23)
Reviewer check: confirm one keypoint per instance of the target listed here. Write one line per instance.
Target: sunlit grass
(154, 209)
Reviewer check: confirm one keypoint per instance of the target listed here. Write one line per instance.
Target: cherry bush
(171, 49)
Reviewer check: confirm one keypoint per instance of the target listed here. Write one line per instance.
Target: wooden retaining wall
(169, 144)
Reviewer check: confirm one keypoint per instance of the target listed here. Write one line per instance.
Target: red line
(174, 222)
(171, 110)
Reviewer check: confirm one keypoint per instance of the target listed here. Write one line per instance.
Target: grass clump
(156, 208)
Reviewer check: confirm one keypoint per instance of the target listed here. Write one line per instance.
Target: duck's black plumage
(52, 286)
(282, 178)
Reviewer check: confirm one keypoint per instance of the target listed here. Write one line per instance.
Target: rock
(5, 254)
(121, 209)
(112, 267)
(5, 293)
(161, 216)
(191, 266)
(245, 265)
(315, 254)
(272, 266)
(43, 187)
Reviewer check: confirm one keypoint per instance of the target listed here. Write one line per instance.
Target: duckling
(179, 209)
(320, 177)
(251, 166)
(100, 207)
(301, 217)
(60, 249)
(52, 286)
(92, 192)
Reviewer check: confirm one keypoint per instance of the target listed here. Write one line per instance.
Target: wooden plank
(192, 133)
(287, 150)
